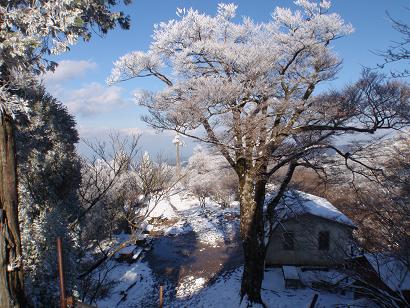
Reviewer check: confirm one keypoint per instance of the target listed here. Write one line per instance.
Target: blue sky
(79, 81)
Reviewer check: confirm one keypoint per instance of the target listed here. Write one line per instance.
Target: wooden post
(314, 300)
(63, 303)
(161, 299)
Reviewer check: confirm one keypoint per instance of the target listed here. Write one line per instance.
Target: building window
(324, 240)
(288, 241)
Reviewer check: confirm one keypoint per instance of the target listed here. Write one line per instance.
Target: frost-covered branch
(31, 30)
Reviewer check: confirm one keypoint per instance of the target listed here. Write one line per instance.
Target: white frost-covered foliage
(209, 176)
(14, 104)
(30, 29)
(194, 41)
(49, 175)
(23, 30)
(217, 63)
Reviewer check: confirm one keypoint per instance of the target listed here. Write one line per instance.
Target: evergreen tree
(49, 176)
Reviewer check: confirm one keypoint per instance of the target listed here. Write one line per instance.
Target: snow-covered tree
(209, 175)
(49, 176)
(246, 89)
(29, 30)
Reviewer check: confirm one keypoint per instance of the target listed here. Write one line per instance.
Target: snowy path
(200, 246)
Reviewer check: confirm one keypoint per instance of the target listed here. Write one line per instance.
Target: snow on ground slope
(212, 224)
(224, 293)
(137, 288)
(132, 283)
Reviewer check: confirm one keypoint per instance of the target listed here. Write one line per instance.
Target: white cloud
(99, 132)
(132, 131)
(93, 99)
(69, 69)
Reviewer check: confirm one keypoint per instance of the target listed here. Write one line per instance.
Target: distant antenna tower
(178, 143)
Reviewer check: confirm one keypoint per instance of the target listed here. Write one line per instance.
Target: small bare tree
(103, 170)
(201, 191)
(226, 188)
(211, 177)
(146, 184)
(119, 188)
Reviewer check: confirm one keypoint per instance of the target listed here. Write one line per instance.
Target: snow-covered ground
(212, 225)
(225, 293)
(196, 256)
(132, 284)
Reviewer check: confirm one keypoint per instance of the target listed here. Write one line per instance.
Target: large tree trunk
(252, 196)
(11, 274)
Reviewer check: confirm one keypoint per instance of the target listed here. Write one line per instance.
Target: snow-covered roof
(391, 271)
(290, 272)
(331, 277)
(295, 203)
